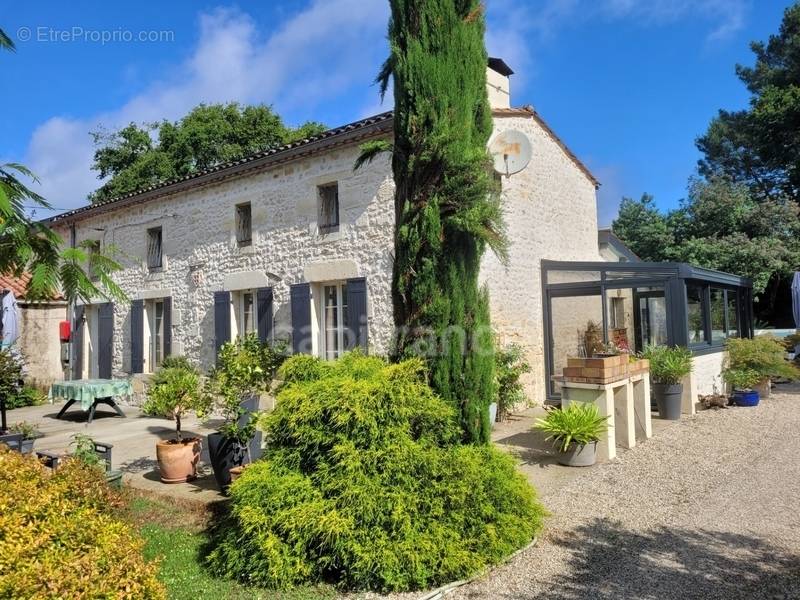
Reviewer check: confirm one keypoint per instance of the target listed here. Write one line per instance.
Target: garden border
(442, 591)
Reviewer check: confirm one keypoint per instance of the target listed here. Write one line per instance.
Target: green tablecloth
(86, 391)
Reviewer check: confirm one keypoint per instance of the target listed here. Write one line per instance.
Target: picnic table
(90, 393)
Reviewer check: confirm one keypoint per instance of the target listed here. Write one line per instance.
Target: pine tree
(446, 204)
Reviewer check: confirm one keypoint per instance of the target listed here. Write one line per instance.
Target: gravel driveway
(709, 508)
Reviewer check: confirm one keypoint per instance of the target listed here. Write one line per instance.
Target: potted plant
(174, 392)
(668, 367)
(763, 355)
(743, 381)
(29, 435)
(244, 370)
(575, 431)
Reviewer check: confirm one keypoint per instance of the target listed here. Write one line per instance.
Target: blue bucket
(748, 398)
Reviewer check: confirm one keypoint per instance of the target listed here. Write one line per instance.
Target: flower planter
(225, 454)
(746, 397)
(27, 446)
(668, 399)
(579, 456)
(603, 369)
(177, 461)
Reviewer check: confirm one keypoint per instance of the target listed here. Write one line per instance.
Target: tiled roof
(19, 285)
(370, 127)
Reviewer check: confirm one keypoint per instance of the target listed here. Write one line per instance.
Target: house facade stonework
(300, 234)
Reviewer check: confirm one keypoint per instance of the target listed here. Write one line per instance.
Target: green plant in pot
(764, 355)
(743, 382)
(575, 431)
(29, 434)
(244, 370)
(175, 392)
(668, 367)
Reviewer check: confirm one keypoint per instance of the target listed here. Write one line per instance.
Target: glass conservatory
(636, 304)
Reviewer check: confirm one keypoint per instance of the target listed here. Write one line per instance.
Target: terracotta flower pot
(236, 472)
(177, 461)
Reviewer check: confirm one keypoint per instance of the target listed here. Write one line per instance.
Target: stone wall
(550, 212)
(39, 342)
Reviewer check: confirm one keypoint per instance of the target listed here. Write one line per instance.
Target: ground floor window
(155, 322)
(334, 320)
(244, 313)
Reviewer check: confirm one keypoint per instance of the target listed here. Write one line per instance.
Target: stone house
(292, 243)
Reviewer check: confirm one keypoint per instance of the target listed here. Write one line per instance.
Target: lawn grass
(174, 535)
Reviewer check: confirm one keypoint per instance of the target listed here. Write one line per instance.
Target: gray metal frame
(673, 277)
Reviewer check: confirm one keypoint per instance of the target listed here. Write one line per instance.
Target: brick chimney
(498, 83)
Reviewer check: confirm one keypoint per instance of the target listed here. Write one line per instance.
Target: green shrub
(244, 367)
(62, 541)
(579, 423)
(10, 377)
(763, 354)
(742, 379)
(365, 484)
(668, 365)
(26, 396)
(509, 366)
(174, 392)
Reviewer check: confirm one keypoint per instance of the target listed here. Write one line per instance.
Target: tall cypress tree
(446, 205)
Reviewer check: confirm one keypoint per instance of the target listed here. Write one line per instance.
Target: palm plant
(29, 246)
(579, 423)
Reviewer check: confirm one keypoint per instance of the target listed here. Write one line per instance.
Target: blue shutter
(356, 334)
(76, 359)
(300, 297)
(105, 339)
(137, 336)
(167, 326)
(264, 312)
(222, 319)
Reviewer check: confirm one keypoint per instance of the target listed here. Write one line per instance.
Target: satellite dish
(511, 151)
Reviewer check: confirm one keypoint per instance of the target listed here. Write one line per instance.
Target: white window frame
(151, 336)
(341, 317)
(238, 301)
(328, 227)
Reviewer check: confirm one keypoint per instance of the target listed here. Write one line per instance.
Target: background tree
(31, 247)
(139, 156)
(446, 205)
(760, 146)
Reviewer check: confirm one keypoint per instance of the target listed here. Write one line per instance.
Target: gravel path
(709, 508)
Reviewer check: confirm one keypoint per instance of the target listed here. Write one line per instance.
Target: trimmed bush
(58, 538)
(366, 485)
(763, 354)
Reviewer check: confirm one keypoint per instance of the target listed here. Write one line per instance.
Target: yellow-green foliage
(365, 484)
(763, 354)
(58, 538)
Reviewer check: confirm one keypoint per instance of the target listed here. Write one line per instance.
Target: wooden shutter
(76, 359)
(300, 297)
(222, 319)
(264, 311)
(105, 339)
(356, 336)
(167, 324)
(137, 336)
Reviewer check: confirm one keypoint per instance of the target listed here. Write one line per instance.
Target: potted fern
(743, 381)
(668, 367)
(575, 431)
(175, 391)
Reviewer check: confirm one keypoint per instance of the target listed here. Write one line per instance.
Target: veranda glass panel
(733, 314)
(718, 333)
(695, 307)
(577, 321)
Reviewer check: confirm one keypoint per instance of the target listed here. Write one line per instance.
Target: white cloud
(320, 54)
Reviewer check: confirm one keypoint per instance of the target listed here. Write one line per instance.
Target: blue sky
(627, 84)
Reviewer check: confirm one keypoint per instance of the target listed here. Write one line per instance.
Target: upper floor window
(328, 208)
(93, 249)
(244, 225)
(154, 248)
